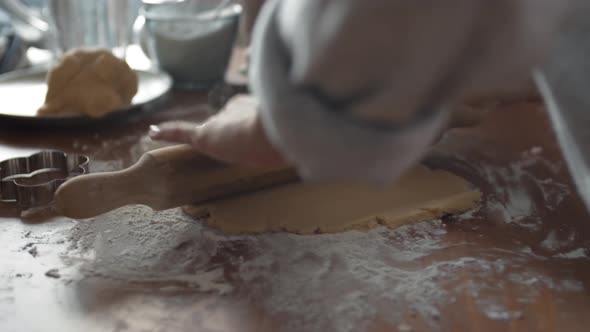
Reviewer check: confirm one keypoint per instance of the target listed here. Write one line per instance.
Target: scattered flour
(140, 247)
(537, 281)
(499, 312)
(315, 277)
(574, 254)
(551, 242)
(561, 245)
(308, 281)
(515, 186)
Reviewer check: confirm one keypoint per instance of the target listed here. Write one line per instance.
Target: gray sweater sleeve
(351, 88)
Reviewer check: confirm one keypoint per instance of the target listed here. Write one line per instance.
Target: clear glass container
(192, 40)
(67, 24)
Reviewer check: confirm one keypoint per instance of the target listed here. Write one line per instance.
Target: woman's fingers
(234, 135)
(176, 131)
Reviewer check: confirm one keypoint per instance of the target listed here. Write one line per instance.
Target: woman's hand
(234, 135)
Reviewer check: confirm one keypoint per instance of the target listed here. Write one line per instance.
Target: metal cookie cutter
(32, 181)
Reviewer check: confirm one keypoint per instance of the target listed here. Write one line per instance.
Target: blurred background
(191, 40)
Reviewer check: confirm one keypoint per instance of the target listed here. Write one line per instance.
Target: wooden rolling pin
(163, 179)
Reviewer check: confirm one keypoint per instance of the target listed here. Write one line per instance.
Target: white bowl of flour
(191, 40)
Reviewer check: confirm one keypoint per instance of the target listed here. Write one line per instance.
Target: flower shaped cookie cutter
(32, 181)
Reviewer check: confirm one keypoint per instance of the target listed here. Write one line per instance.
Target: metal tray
(22, 92)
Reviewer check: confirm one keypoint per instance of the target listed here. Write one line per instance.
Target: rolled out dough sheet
(304, 208)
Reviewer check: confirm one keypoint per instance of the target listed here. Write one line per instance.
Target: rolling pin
(163, 179)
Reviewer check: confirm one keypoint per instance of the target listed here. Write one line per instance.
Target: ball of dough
(91, 82)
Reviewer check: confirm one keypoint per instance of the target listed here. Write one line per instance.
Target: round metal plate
(22, 92)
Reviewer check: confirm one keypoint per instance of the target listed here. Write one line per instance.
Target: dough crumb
(91, 82)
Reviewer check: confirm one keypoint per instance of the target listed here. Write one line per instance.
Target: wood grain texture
(507, 134)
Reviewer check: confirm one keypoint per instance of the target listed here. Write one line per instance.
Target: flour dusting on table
(343, 282)
(338, 282)
(514, 188)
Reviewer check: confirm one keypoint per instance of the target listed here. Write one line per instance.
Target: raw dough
(92, 82)
(421, 194)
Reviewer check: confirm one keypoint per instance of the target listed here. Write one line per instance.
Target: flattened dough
(421, 194)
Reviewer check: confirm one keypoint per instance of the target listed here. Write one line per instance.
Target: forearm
(324, 141)
(359, 88)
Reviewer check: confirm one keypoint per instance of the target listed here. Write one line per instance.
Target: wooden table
(520, 263)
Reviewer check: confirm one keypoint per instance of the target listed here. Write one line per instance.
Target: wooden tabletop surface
(519, 263)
